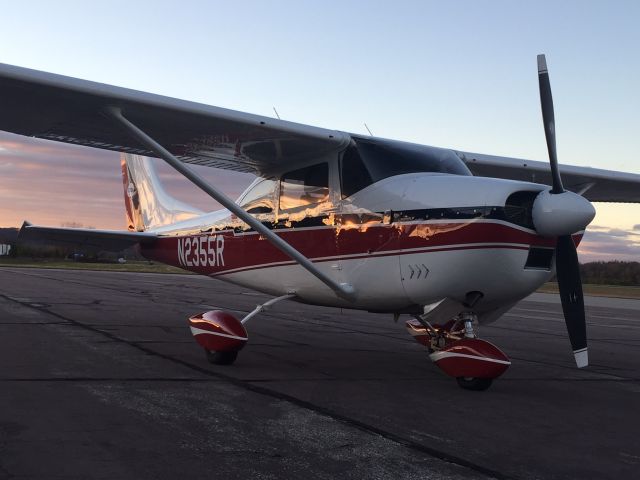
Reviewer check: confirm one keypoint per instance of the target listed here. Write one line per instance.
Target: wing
(66, 109)
(593, 183)
(110, 240)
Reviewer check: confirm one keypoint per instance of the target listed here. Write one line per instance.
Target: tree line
(611, 273)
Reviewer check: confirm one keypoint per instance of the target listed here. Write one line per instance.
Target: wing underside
(595, 184)
(70, 110)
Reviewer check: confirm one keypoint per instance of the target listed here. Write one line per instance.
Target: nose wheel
(455, 348)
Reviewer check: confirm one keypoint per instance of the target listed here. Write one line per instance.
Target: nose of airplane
(557, 214)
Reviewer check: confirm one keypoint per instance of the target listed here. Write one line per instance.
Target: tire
(221, 358)
(472, 383)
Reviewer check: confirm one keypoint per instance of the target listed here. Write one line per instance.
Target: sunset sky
(454, 74)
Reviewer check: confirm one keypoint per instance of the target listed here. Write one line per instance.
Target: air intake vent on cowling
(540, 258)
(518, 208)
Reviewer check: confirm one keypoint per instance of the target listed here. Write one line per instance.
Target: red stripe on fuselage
(250, 250)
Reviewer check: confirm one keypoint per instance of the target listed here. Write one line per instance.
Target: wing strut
(344, 290)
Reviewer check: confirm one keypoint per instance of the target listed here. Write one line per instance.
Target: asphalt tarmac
(101, 379)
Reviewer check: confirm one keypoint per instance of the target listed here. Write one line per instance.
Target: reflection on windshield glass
(368, 160)
(303, 187)
(259, 199)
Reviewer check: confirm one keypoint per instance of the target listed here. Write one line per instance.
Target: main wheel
(221, 358)
(473, 383)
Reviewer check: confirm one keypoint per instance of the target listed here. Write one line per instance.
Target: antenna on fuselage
(365, 126)
(274, 109)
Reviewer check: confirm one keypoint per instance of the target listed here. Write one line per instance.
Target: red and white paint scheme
(457, 352)
(453, 239)
(471, 358)
(218, 331)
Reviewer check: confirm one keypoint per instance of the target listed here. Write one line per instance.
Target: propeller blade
(546, 102)
(570, 286)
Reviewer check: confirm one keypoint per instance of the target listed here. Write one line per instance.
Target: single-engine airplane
(454, 239)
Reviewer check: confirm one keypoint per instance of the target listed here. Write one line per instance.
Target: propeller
(546, 102)
(579, 212)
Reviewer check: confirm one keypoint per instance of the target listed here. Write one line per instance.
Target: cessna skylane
(453, 239)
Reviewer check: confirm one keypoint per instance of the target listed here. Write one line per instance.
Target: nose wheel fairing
(471, 358)
(456, 350)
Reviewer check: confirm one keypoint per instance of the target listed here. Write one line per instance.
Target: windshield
(368, 160)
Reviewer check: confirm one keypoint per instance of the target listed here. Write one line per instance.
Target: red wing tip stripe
(437, 356)
(198, 331)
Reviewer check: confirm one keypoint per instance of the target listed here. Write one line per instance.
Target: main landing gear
(222, 335)
(455, 348)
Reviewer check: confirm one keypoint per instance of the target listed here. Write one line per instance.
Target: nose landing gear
(455, 348)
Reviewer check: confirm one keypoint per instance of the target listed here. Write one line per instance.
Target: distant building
(8, 238)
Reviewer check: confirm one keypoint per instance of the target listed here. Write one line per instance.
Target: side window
(353, 173)
(260, 198)
(306, 186)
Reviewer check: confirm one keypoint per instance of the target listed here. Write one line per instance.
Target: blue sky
(458, 74)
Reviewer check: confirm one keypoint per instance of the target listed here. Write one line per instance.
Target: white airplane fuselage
(403, 242)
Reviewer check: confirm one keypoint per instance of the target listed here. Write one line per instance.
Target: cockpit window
(367, 161)
(305, 186)
(354, 173)
(259, 198)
